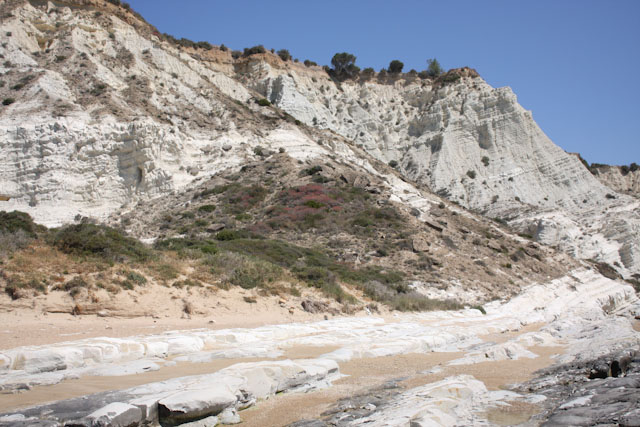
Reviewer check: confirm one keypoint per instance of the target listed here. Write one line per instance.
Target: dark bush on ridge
(248, 51)
(284, 55)
(395, 66)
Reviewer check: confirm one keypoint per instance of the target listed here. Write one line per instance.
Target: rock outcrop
(622, 179)
(107, 113)
(475, 145)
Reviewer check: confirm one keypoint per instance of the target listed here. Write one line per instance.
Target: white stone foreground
(185, 399)
(570, 307)
(586, 312)
(454, 401)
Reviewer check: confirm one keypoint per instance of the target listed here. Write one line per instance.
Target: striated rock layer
(475, 145)
(108, 114)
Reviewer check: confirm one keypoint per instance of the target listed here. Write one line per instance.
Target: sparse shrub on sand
(99, 241)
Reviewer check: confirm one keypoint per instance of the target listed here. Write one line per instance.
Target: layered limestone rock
(587, 313)
(475, 145)
(101, 119)
(206, 398)
(585, 308)
(107, 114)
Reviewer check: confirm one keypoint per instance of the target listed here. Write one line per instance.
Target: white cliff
(475, 145)
(107, 114)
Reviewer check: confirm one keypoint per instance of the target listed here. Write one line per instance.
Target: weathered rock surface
(116, 415)
(620, 179)
(579, 308)
(197, 399)
(102, 122)
(586, 312)
(477, 146)
(576, 397)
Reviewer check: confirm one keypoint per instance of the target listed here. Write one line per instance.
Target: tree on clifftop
(395, 66)
(344, 65)
(434, 69)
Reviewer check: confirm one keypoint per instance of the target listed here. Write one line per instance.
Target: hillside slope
(106, 113)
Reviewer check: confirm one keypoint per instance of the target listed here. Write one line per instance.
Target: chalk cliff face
(475, 145)
(106, 114)
(622, 179)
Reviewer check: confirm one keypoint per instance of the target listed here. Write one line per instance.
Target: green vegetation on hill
(238, 257)
(99, 241)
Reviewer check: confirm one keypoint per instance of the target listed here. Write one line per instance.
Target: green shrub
(433, 68)
(207, 208)
(11, 222)
(243, 217)
(377, 216)
(98, 89)
(367, 73)
(255, 273)
(393, 164)
(311, 171)
(450, 77)
(244, 270)
(204, 45)
(136, 278)
(416, 302)
(15, 286)
(471, 174)
(226, 235)
(309, 63)
(248, 51)
(485, 160)
(215, 190)
(241, 199)
(284, 54)
(187, 283)
(200, 247)
(395, 66)
(313, 204)
(99, 241)
(75, 284)
(263, 102)
(344, 65)
(165, 271)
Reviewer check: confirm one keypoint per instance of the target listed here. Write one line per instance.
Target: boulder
(191, 405)
(116, 414)
(420, 244)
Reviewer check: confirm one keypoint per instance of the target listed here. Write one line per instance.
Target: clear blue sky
(574, 63)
